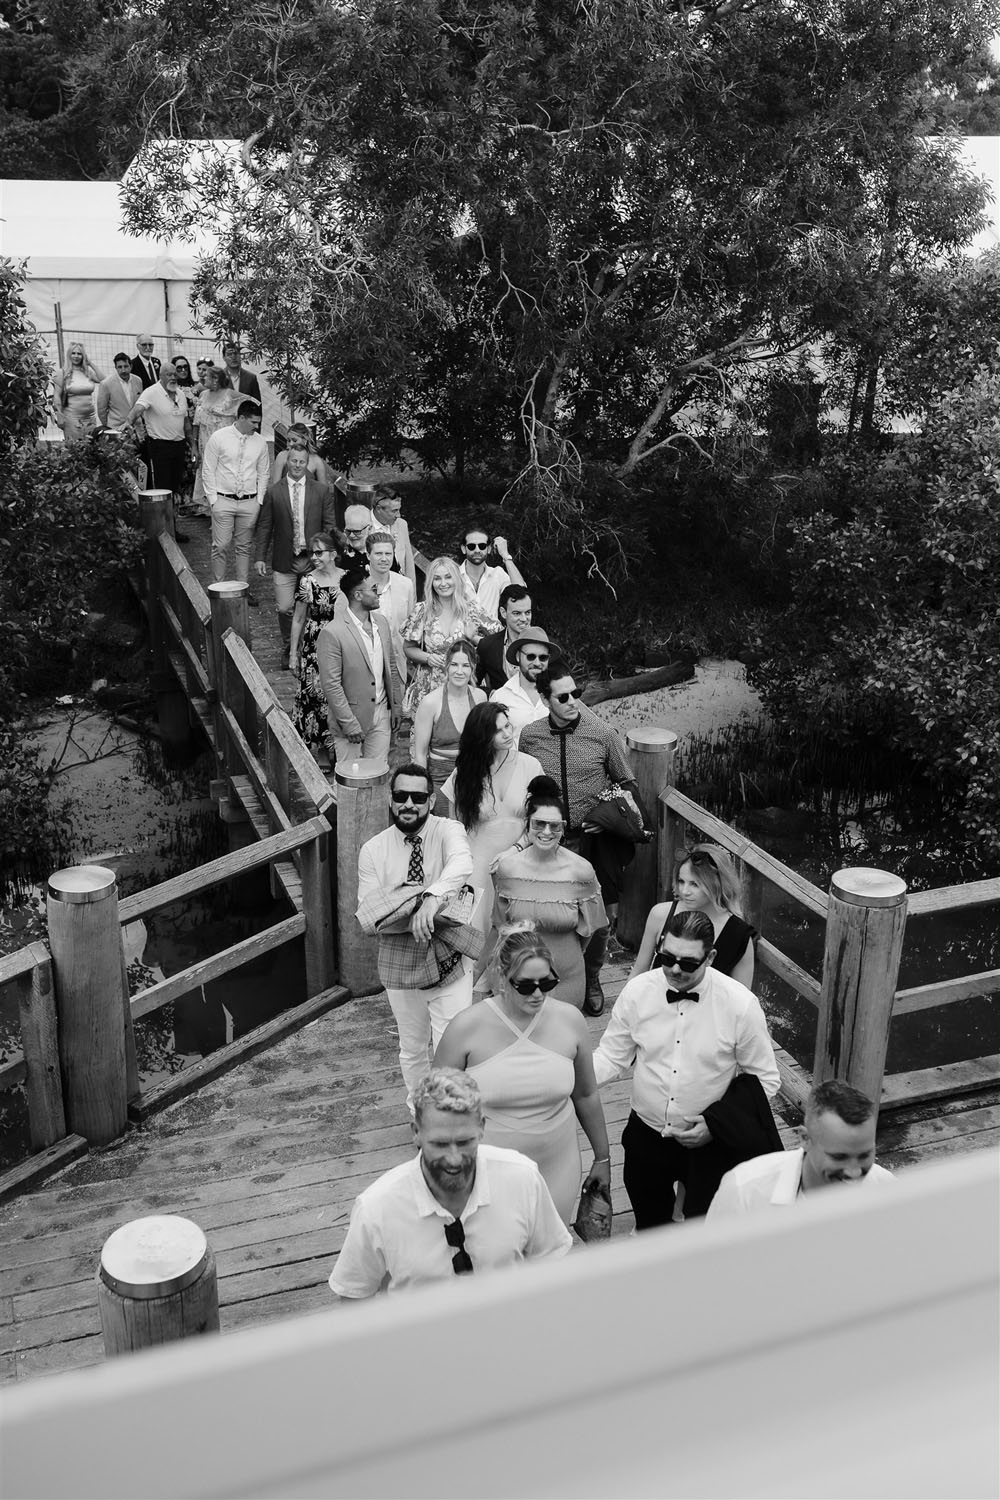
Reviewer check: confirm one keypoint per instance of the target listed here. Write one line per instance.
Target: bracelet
(600, 1160)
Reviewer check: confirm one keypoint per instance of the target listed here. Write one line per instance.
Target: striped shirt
(584, 759)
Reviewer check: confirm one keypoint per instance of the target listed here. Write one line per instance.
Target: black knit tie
(415, 873)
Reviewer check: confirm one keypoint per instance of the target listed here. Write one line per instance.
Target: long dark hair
(475, 760)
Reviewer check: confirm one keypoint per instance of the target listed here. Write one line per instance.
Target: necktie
(300, 530)
(415, 872)
(674, 995)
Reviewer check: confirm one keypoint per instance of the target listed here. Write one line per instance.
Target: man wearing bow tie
(689, 1031)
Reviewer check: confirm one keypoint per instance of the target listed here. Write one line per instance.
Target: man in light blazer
(294, 509)
(117, 394)
(358, 674)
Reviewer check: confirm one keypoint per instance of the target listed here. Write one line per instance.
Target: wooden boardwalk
(268, 1160)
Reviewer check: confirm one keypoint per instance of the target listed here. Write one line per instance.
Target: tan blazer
(346, 676)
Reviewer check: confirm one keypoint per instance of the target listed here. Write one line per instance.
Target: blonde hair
(713, 867)
(516, 943)
(88, 367)
(460, 603)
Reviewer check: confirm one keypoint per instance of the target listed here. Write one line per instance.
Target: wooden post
(653, 753)
(173, 717)
(362, 811)
(87, 970)
(317, 908)
(864, 940)
(156, 1282)
(40, 1043)
(754, 895)
(230, 611)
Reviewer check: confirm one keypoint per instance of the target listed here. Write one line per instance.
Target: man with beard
(519, 695)
(840, 1147)
(418, 854)
(456, 1208)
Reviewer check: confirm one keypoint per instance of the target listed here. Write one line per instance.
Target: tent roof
(73, 230)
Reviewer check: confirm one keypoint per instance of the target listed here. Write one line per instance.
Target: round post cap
(862, 886)
(153, 1257)
(649, 741)
(362, 772)
(80, 884)
(163, 495)
(229, 588)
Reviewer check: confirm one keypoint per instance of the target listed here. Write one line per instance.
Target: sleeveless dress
(500, 824)
(426, 631)
(566, 911)
(79, 418)
(443, 749)
(309, 715)
(730, 945)
(527, 1102)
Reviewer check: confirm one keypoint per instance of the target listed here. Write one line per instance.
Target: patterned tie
(415, 873)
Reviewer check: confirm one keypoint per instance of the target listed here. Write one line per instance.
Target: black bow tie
(674, 995)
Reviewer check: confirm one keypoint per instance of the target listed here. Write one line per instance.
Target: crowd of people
(494, 891)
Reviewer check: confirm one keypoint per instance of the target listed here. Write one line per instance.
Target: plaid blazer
(405, 964)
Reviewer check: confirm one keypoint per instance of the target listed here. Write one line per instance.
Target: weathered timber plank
(795, 1081)
(256, 774)
(6, 1309)
(54, 1359)
(14, 1071)
(206, 969)
(186, 655)
(283, 870)
(35, 1170)
(949, 1080)
(296, 1302)
(21, 961)
(792, 973)
(236, 1052)
(901, 1157)
(225, 868)
(946, 992)
(953, 897)
(895, 1135)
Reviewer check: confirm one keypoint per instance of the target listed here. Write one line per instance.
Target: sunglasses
(673, 961)
(320, 553)
(529, 986)
(477, 546)
(350, 531)
(565, 697)
(417, 798)
(533, 656)
(461, 1261)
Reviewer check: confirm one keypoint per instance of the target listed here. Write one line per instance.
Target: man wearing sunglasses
(585, 757)
(423, 854)
(519, 695)
(483, 583)
(357, 529)
(688, 1031)
(457, 1208)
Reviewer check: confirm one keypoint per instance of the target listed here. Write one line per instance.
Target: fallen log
(642, 682)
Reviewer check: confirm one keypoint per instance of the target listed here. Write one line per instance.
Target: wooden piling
(40, 1042)
(864, 940)
(317, 907)
(362, 812)
(84, 937)
(653, 755)
(172, 714)
(156, 1282)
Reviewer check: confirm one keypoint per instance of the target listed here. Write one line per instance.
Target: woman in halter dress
(531, 1057)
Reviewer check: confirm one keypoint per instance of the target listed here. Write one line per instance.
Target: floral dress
(309, 715)
(420, 630)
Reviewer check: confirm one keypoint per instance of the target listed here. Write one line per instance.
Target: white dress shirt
(520, 708)
(688, 1052)
(164, 413)
(235, 463)
(396, 1238)
(385, 859)
(487, 592)
(773, 1181)
(374, 652)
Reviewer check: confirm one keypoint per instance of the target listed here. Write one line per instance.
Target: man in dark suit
(294, 509)
(514, 611)
(358, 673)
(244, 381)
(146, 365)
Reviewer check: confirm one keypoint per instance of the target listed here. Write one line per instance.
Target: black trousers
(609, 854)
(654, 1162)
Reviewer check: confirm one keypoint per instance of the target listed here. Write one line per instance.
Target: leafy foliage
(24, 371)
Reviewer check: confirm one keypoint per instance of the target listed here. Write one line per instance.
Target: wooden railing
(829, 994)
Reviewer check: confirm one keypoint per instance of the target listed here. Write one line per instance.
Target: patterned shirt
(584, 759)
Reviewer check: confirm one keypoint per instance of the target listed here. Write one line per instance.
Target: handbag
(593, 1217)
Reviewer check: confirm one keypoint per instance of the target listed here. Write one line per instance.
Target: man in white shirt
(396, 595)
(386, 517)
(840, 1124)
(163, 410)
(458, 1208)
(519, 695)
(430, 854)
(688, 1030)
(234, 472)
(358, 674)
(116, 395)
(482, 582)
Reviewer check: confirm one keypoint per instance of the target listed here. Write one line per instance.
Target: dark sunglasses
(565, 697)
(672, 961)
(461, 1261)
(477, 546)
(530, 657)
(417, 798)
(529, 986)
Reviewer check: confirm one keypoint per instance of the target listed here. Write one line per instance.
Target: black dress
(730, 945)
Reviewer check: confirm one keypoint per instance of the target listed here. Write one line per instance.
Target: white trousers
(421, 1018)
